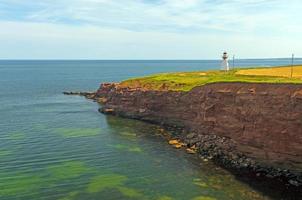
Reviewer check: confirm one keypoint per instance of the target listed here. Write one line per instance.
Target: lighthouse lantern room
(225, 63)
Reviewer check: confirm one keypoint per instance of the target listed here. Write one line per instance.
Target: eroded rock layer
(241, 125)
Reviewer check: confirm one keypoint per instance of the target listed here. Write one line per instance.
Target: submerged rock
(190, 151)
(177, 146)
(173, 142)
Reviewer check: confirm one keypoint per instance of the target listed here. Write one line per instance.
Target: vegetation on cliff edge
(185, 81)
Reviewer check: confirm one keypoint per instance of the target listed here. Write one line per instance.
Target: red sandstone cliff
(263, 121)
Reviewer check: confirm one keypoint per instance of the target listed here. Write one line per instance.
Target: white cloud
(149, 29)
(168, 15)
(40, 40)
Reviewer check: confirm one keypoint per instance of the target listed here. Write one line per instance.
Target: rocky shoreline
(273, 157)
(223, 152)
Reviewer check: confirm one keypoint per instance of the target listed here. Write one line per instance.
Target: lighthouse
(225, 63)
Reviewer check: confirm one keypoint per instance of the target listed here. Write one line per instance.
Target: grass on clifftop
(185, 81)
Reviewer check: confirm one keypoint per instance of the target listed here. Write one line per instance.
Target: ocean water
(56, 147)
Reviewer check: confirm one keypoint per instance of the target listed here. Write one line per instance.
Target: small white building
(225, 63)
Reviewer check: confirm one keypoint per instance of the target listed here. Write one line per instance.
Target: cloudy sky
(149, 29)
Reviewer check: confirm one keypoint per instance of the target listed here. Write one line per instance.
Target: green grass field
(185, 81)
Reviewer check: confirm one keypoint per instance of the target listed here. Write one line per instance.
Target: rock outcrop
(88, 95)
(254, 127)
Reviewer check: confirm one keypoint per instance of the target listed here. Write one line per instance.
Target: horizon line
(95, 59)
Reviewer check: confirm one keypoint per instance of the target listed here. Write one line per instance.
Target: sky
(149, 29)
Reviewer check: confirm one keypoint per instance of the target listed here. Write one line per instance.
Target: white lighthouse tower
(225, 63)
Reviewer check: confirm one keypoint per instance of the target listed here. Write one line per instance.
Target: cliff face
(263, 121)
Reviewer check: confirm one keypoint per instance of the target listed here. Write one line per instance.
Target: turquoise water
(56, 147)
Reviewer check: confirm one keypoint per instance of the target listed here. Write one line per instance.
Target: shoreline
(222, 147)
(208, 148)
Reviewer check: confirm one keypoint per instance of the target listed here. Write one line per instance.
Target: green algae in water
(135, 149)
(112, 181)
(127, 148)
(4, 153)
(17, 184)
(70, 196)
(105, 181)
(16, 136)
(67, 170)
(165, 198)
(130, 192)
(128, 134)
(119, 146)
(204, 198)
(78, 132)
(233, 189)
(199, 182)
